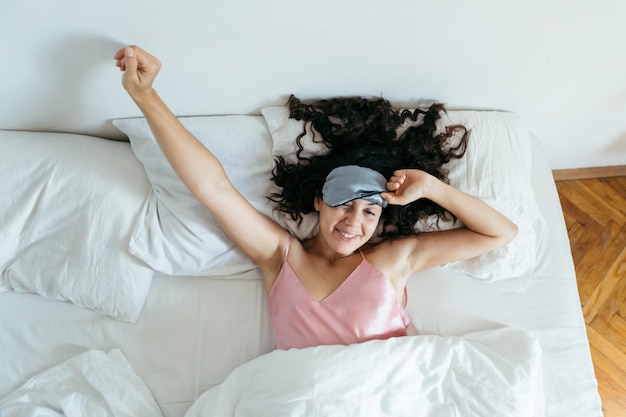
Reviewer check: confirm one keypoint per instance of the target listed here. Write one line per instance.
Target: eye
(371, 212)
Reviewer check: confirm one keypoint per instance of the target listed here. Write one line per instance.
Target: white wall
(560, 64)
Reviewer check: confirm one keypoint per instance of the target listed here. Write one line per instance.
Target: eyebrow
(369, 203)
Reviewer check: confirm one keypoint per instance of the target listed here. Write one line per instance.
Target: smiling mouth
(346, 235)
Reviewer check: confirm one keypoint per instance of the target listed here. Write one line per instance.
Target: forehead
(361, 202)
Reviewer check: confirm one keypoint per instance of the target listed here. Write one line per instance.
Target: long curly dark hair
(367, 132)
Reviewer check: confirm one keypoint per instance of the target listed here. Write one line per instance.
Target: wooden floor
(595, 214)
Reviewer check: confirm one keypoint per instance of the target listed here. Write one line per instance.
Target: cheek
(327, 217)
(372, 224)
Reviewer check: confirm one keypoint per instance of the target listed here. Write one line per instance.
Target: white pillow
(176, 234)
(67, 207)
(495, 168)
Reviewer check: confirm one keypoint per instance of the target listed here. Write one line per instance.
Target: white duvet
(488, 373)
(94, 384)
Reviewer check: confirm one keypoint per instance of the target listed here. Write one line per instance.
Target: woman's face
(349, 226)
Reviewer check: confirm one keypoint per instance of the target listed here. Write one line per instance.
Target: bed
(121, 296)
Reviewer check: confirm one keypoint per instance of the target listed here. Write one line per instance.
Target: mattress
(193, 331)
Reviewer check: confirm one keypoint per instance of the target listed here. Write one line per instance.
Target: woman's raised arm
(486, 228)
(258, 236)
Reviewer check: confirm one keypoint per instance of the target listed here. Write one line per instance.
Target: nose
(352, 217)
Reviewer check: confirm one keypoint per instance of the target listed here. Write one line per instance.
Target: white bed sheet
(194, 331)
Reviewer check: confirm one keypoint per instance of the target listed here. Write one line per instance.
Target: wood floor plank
(618, 324)
(595, 217)
(607, 195)
(602, 246)
(584, 236)
(611, 393)
(612, 361)
(605, 270)
(586, 200)
(610, 333)
(572, 213)
(616, 275)
(618, 184)
(615, 189)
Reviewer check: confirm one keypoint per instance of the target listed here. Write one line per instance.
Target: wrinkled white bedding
(193, 331)
(91, 384)
(488, 373)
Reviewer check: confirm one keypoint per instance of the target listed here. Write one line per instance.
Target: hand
(407, 185)
(140, 69)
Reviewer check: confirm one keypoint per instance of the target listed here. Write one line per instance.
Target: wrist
(432, 187)
(143, 97)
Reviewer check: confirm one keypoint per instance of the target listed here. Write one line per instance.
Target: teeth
(346, 235)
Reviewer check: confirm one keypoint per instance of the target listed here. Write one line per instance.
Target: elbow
(510, 234)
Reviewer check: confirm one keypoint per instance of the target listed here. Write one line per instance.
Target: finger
(392, 185)
(399, 180)
(143, 57)
(120, 64)
(119, 54)
(390, 198)
(395, 183)
(130, 59)
(140, 51)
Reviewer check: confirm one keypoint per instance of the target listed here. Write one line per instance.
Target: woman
(330, 289)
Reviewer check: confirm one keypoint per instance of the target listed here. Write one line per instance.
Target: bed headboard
(559, 66)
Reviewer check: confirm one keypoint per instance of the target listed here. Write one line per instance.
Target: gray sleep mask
(352, 182)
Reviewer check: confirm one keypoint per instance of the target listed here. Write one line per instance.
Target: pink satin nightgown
(364, 307)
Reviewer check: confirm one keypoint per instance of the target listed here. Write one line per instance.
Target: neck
(317, 246)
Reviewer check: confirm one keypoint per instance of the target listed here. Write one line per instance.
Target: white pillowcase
(496, 169)
(175, 234)
(67, 207)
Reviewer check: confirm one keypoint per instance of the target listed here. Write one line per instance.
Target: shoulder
(393, 256)
(390, 246)
(272, 265)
